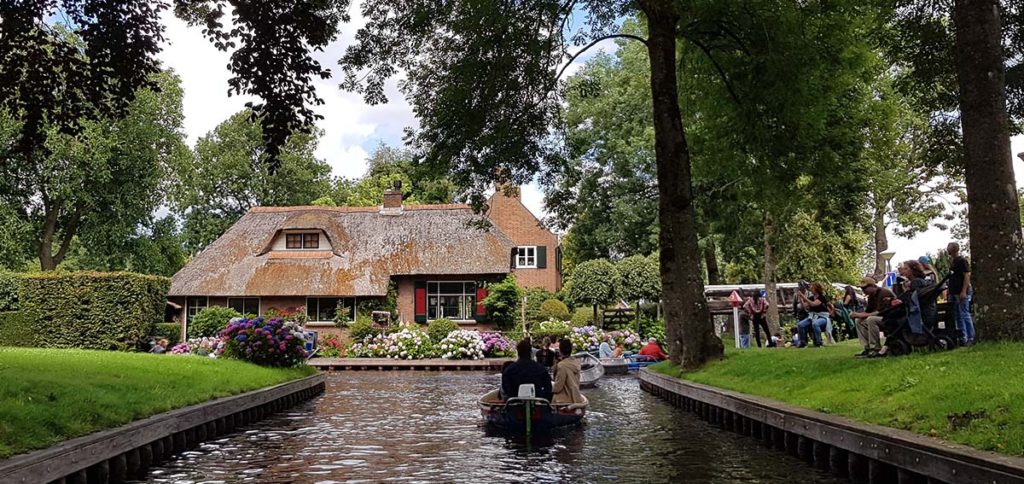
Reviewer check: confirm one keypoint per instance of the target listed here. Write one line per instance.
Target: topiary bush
(93, 310)
(582, 317)
(362, 328)
(10, 288)
(15, 330)
(550, 329)
(171, 331)
(438, 329)
(210, 321)
(553, 309)
(535, 298)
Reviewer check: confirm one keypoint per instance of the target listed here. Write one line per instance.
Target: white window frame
(259, 304)
(463, 294)
(188, 306)
(302, 240)
(524, 254)
(317, 322)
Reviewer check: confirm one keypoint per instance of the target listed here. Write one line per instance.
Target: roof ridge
(321, 208)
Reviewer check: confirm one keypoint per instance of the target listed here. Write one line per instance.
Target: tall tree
(229, 174)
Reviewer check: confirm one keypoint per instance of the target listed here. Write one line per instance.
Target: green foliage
(10, 288)
(552, 309)
(438, 329)
(362, 328)
(594, 282)
(15, 329)
(171, 331)
(51, 395)
(639, 278)
(583, 317)
(549, 329)
(535, 297)
(502, 302)
(331, 347)
(652, 328)
(210, 321)
(111, 311)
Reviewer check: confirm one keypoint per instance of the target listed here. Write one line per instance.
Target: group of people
(532, 367)
(652, 349)
(815, 312)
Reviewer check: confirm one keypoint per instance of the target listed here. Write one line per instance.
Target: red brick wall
(407, 289)
(520, 225)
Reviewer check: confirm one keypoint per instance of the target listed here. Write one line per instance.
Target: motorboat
(615, 366)
(591, 369)
(527, 414)
(636, 362)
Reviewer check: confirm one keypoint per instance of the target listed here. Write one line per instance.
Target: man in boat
(524, 370)
(567, 376)
(652, 349)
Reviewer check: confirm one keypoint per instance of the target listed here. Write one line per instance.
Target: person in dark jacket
(524, 370)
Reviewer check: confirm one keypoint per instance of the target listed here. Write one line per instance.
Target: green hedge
(171, 331)
(10, 288)
(210, 321)
(94, 310)
(15, 330)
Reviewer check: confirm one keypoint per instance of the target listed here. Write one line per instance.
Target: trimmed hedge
(10, 289)
(438, 329)
(15, 330)
(171, 331)
(93, 310)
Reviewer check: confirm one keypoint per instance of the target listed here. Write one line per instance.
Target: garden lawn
(972, 396)
(50, 395)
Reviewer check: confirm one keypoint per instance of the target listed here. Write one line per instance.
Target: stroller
(914, 322)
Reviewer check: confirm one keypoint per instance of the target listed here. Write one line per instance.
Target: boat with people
(636, 362)
(615, 366)
(526, 413)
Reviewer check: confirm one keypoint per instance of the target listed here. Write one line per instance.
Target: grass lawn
(50, 395)
(973, 396)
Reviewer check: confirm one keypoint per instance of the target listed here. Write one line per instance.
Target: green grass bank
(971, 396)
(51, 395)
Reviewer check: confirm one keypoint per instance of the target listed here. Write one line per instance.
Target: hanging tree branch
(595, 42)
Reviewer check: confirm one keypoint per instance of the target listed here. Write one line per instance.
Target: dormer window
(302, 241)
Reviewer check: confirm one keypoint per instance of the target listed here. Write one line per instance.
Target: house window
(302, 241)
(453, 300)
(195, 304)
(325, 309)
(245, 305)
(526, 257)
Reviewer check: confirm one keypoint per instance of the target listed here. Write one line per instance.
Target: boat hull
(615, 366)
(511, 417)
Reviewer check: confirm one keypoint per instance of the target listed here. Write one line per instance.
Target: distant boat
(615, 366)
(511, 415)
(636, 362)
(591, 369)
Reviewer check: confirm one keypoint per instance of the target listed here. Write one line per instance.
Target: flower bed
(409, 343)
(268, 342)
(589, 338)
(497, 345)
(212, 347)
(462, 344)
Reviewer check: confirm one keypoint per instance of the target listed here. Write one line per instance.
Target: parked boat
(636, 362)
(511, 415)
(591, 369)
(615, 366)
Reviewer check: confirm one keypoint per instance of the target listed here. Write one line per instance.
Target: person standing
(960, 293)
(756, 307)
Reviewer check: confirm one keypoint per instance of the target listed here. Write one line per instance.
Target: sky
(352, 128)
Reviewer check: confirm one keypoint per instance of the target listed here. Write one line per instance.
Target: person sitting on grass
(777, 341)
(566, 388)
(524, 370)
(879, 298)
(817, 314)
(653, 350)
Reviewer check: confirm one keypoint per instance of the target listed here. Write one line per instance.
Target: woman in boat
(567, 376)
(619, 351)
(605, 350)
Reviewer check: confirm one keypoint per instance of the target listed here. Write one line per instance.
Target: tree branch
(718, 67)
(595, 42)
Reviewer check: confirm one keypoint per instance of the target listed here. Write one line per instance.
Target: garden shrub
(462, 345)
(438, 329)
(171, 331)
(550, 329)
(553, 309)
(10, 288)
(15, 330)
(210, 321)
(331, 347)
(362, 328)
(93, 310)
(502, 302)
(497, 345)
(583, 317)
(408, 343)
(266, 342)
(652, 328)
(535, 298)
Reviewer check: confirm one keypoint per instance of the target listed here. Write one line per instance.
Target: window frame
(303, 239)
(467, 299)
(189, 306)
(247, 299)
(314, 317)
(526, 253)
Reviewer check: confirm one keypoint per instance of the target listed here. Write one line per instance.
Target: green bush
(502, 302)
(652, 328)
(93, 310)
(583, 317)
(361, 328)
(210, 321)
(535, 298)
(15, 330)
(550, 329)
(10, 288)
(553, 309)
(171, 331)
(439, 329)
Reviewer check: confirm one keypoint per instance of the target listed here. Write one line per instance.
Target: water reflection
(425, 427)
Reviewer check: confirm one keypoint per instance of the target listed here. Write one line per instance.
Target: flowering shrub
(629, 339)
(462, 344)
(587, 338)
(497, 345)
(331, 347)
(408, 343)
(180, 349)
(551, 328)
(295, 314)
(268, 342)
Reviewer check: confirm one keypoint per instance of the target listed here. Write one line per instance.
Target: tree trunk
(997, 251)
(881, 241)
(711, 262)
(771, 291)
(46, 259)
(688, 325)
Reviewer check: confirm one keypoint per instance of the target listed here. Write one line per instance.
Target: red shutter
(421, 301)
(481, 293)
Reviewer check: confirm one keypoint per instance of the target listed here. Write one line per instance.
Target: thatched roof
(367, 247)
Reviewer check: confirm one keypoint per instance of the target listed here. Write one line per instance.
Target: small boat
(615, 366)
(636, 362)
(591, 369)
(528, 414)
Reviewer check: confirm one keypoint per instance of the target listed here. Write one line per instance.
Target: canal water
(425, 427)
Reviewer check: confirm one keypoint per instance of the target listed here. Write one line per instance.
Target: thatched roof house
(438, 258)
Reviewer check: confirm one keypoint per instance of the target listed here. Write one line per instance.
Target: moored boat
(636, 362)
(615, 366)
(591, 369)
(511, 415)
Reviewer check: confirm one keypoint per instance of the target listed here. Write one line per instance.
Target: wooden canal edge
(431, 364)
(861, 452)
(128, 451)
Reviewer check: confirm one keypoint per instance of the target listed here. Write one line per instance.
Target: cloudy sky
(352, 128)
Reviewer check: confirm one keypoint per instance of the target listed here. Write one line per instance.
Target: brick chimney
(393, 196)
